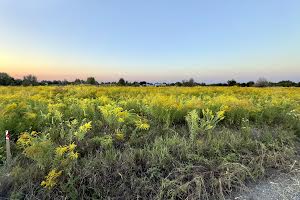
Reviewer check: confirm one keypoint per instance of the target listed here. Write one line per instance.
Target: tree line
(31, 80)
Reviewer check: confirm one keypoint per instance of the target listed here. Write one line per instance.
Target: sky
(152, 40)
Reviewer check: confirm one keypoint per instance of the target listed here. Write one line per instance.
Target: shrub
(199, 125)
(261, 82)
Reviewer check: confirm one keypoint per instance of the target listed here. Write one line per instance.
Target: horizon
(153, 41)
(153, 82)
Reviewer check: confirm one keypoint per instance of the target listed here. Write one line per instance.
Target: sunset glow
(152, 41)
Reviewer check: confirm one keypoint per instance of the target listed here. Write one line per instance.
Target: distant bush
(91, 81)
(189, 83)
(262, 82)
(5, 79)
(231, 82)
(121, 82)
(30, 80)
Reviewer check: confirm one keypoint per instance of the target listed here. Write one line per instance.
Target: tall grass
(90, 142)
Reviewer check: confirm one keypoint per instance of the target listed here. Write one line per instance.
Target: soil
(280, 186)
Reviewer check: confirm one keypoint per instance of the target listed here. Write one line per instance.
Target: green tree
(30, 80)
(178, 84)
(91, 81)
(5, 79)
(250, 83)
(189, 83)
(122, 82)
(286, 83)
(231, 82)
(77, 81)
(262, 82)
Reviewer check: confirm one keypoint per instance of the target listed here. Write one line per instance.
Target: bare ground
(280, 186)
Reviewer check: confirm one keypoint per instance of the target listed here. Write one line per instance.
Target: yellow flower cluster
(24, 140)
(142, 125)
(86, 127)
(61, 150)
(119, 136)
(30, 115)
(51, 179)
(83, 129)
(67, 151)
(113, 113)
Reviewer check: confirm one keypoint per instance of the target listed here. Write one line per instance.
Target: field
(88, 142)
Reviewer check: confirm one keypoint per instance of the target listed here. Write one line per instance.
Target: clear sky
(153, 40)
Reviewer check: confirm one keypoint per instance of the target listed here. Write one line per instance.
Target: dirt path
(278, 187)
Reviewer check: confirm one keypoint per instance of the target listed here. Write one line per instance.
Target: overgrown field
(86, 142)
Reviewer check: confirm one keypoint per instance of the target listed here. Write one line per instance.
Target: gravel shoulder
(280, 186)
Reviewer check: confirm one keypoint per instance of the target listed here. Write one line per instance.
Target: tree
(250, 83)
(5, 79)
(91, 81)
(143, 83)
(44, 82)
(262, 82)
(65, 82)
(178, 84)
(191, 82)
(121, 82)
(242, 84)
(286, 83)
(188, 83)
(135, 84)
(30, 80)
(231, 82)
(77, 81)
(18, 82)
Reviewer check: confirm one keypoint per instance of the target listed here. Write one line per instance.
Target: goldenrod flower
(51, 179)
(24, 140)
(34, 133)
(119, 136)
(72, 146)
(142, 125)
(85, 127)
(61, 150)
(73, 155)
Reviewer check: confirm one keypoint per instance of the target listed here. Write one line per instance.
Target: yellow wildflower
(119, 136)
(73, 155)
(24, 140)
(86, 127)
(61, 150)
(30, 115)
(34, 133)
(142, 125)
(72, 146)
(121, 119)
(51, 179)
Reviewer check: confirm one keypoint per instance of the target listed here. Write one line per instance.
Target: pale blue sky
(154, 40)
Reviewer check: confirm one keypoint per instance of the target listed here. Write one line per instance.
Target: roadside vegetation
(89, 142)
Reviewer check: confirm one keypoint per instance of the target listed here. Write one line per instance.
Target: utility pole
(8, 152)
